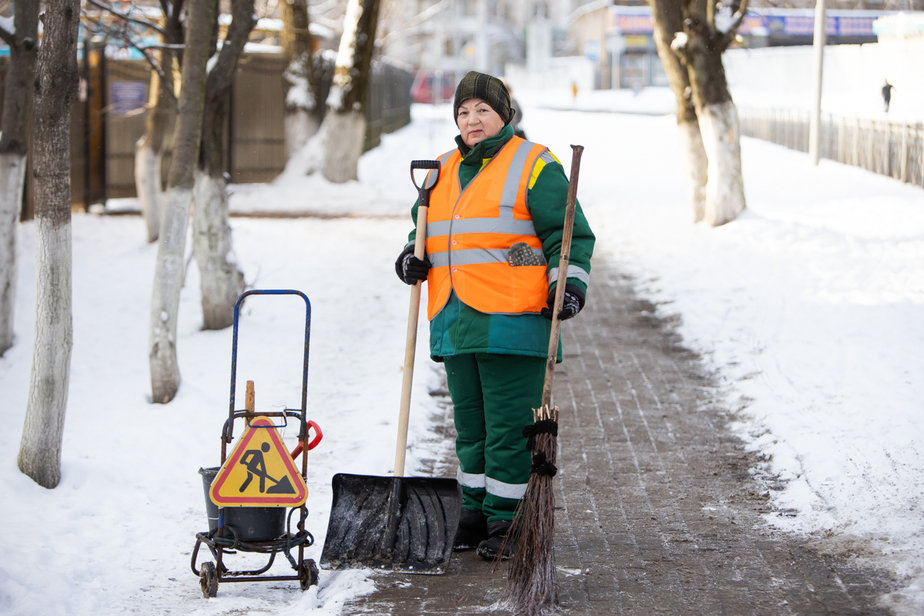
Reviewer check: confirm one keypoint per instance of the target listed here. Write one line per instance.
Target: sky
(809, 308)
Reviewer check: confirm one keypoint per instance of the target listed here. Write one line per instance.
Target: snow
(808, 308)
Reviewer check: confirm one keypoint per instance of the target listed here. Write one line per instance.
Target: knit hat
(489, 89)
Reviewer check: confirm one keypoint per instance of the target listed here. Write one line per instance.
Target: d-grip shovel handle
(420, 244)
(423, 197)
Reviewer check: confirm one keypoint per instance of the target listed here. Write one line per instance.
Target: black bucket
(249, 523)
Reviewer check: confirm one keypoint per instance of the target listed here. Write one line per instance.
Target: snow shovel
(398, 523)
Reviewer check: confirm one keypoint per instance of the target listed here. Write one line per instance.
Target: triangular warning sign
(259, 472)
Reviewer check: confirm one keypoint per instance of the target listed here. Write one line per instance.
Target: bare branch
(737, 18)
(7, 36)
(242, 23)
(128, 17)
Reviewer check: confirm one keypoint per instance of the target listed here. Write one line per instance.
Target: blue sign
(127, 97)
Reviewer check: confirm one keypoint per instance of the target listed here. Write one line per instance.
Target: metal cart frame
(224, 539)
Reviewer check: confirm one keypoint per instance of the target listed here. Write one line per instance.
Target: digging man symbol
(256, 466)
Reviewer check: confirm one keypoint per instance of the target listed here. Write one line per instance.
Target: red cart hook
(313, 443)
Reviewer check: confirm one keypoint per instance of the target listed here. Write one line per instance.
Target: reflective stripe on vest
(481, 241)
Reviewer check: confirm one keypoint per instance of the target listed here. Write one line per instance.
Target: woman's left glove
(574, 301)
(409, 268)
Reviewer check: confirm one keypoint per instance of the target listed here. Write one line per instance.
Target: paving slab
(657, 510)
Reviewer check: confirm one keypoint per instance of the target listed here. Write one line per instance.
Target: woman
(494, 233)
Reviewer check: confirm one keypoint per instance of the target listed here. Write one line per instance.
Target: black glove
(409, 268)
(574, 301)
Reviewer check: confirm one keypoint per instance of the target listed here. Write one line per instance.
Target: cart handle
(234, 335)
(313, 443)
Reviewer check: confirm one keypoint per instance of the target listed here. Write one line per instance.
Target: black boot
(473, 528)
(494, 544)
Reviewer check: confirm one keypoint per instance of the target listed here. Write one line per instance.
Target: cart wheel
(208, 579)
(308, 574)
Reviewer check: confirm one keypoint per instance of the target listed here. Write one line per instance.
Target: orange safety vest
(470, 234)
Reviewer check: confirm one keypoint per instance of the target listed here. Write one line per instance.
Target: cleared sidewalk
(656, 510)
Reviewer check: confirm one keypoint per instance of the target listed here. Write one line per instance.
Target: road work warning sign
(259, 472)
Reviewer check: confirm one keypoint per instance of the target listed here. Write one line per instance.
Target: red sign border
(265, 501)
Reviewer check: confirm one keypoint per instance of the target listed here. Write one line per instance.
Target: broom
(531, 580)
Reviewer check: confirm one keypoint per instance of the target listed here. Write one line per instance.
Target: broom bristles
(531, 580)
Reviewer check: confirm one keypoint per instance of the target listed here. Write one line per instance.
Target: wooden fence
(109, 117)
(895, 149)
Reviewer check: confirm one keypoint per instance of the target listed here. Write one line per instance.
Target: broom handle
(563, 260)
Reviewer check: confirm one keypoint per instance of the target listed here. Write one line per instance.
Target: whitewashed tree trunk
(221, 281)
(696, 166)
(171, 246)
(300, 126)
(722, 141)
(18, 85)
(12, 180)
(301, 121)
(165, 299)
(342, 136)
(55, 89)
(344, 127)
(43, 428)
(147, 184)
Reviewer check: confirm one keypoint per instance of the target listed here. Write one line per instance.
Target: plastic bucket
(249, 523)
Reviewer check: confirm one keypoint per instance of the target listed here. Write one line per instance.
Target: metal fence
(895, 149)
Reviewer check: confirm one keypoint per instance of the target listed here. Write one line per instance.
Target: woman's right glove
(409, 268)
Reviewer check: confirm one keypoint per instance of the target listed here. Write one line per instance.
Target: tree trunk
(342, 136)
(668, 20)
(344, 126)
(718, 125)
(55, 87)
(301, 120)
(12, 180)
(221, 282)
(718, 118)
(168, 274)
(14, 145)
(696, 166)
(149, 150)
(690, 48)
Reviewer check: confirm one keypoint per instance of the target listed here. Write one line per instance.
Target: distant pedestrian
(887, 94)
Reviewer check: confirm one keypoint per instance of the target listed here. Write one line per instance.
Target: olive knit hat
(489, 89)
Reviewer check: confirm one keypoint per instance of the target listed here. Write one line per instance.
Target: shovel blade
(397, 523)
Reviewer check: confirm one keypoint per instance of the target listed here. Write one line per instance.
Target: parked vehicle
(433, 87)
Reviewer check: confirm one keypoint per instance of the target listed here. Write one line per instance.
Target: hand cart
(252, 528)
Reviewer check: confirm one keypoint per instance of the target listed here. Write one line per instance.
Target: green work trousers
(493, 397)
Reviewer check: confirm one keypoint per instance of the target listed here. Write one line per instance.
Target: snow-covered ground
(810, 307)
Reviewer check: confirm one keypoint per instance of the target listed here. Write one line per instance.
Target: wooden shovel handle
(564, 259)
(413, 313)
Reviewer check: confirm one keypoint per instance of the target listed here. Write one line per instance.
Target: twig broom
(531, 581)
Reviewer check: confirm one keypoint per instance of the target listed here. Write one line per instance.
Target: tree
(690, 45)
(14, 147)
(344, 128)
(164, 61)
(667, 22)
(149, 150)
(220, 280)
(55, 87)
(303, 113)
(168, 273)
